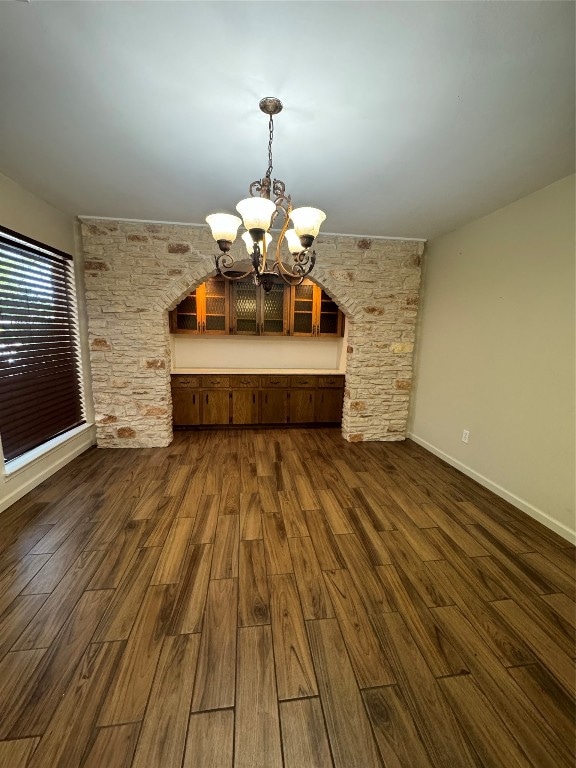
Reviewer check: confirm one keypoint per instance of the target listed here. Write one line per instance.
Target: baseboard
(525, 506)
(23, 481)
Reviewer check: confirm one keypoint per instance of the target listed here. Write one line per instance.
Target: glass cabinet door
(244, 307)
(215, 319)
(303, 310)
(186, 315)
(272, 313)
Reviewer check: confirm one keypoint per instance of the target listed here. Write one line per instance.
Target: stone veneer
(135, 272)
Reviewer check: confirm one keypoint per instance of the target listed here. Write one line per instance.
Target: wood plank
(15, 579)
(16, 617)
(335, 514)
(440, 654)
(210, 742)
(305, 493)
(455, 532)
(190, 599)
(491, 739)
(536, 738)
(314, 596)
(368, 660)
(294, 519)
(163, 734)
(206, 520)
(562, 605)
(225, 558)
(172, 556)
(215, 681)
(369, 538)
(294, 670)
(442, 736)
(507, 646)
(253, 599)
(130, 687)
(548, 652)
(113, 747)
(341, 698)
(121, 614)
(555, 705)
(257, 730)
(17, 672)
(562, 581)
(15, 754)
(67, 735)
(395, 729)
(278, 559)
(52, 676)
(412, 568)
(327, 551)
(250, 516)
(304, 740)
(370, 587)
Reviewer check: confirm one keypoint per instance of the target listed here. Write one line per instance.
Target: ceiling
(402, 119)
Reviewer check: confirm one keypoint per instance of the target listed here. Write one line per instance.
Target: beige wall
(495, 353)
(28, 215)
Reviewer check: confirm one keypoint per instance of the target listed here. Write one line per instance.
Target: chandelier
(267, 200)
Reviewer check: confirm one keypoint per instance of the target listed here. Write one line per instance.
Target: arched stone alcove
(135, 272)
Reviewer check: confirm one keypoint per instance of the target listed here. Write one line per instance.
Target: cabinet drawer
(216, 382)
(268, 382)
(331, 381)
(241, 381)
(304, 381)
(185, 382)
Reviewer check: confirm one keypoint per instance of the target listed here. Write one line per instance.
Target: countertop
(264, 371)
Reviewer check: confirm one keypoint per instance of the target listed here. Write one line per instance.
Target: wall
(26, 214)
(136, 271)
(257, 353)
(496, 353)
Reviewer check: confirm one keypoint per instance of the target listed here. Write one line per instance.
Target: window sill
(15, 466)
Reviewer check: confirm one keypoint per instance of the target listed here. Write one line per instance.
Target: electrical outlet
(465, 436)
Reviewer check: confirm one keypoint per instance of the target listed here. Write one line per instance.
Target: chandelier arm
(228, 262)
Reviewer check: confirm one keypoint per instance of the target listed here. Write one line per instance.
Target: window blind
(40, 381)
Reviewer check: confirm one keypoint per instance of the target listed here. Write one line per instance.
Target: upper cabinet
(222, 307)
(204, 311)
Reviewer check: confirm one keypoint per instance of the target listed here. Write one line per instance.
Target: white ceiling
(400, 118)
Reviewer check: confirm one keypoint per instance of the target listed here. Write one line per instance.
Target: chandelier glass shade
(267, 200)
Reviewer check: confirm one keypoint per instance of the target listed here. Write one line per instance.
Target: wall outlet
(465, 436)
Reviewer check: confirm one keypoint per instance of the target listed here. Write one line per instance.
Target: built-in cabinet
(245, 399)
(241, 308)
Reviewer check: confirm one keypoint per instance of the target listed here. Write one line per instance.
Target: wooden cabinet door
(245, 406)
(215, 406)
(329, 405)
(302, 406)
(274, 406)
(185, 407)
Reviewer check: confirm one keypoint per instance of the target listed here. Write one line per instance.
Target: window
(40, 381)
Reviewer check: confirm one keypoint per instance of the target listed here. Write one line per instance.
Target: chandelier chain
(271, 132)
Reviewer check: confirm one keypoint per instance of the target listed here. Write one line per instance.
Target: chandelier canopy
(267, 199)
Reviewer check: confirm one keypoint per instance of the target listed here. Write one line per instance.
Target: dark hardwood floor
(281, 599)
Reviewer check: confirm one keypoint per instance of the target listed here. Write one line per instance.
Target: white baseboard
(537, 514)
(24, 480)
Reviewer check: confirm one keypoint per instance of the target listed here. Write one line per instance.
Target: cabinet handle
(266, 399)
(254, 399)
(193, 399)
(206, 399)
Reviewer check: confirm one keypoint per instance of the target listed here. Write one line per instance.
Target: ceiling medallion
(267, 199)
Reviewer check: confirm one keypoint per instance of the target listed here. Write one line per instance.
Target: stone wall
(136, 272)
